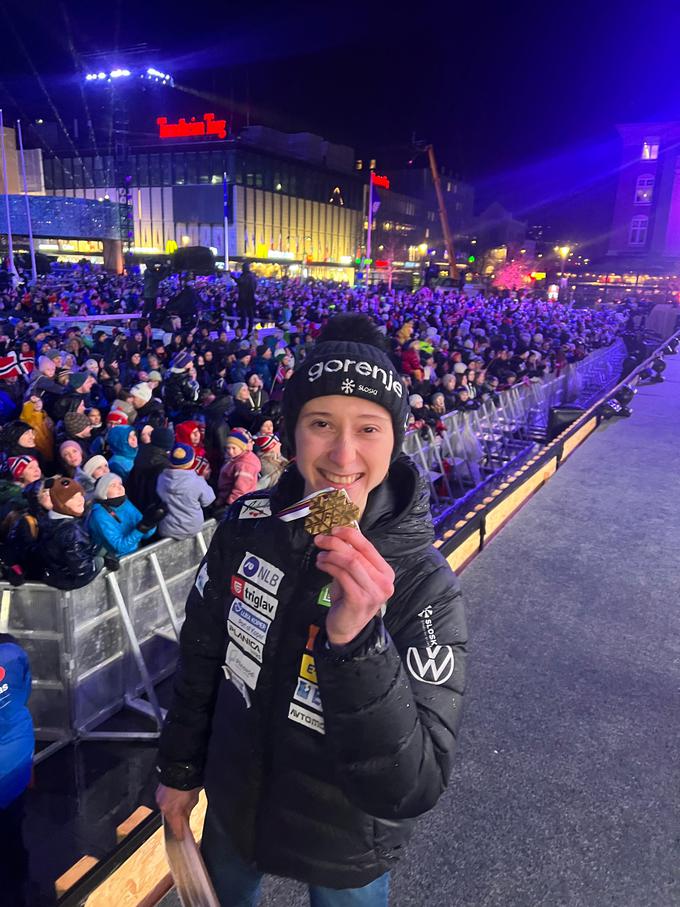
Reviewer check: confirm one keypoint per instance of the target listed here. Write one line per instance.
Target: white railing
(477, 443)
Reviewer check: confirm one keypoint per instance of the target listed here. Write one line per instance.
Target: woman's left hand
(363, 581)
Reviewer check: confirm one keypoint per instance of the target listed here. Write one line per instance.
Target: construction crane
(443, 216)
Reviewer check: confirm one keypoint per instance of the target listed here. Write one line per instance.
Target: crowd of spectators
(117, 433)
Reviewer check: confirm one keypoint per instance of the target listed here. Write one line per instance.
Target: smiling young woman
(344, 442)
(331, 720)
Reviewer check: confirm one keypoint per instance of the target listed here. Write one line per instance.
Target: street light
(563, 252)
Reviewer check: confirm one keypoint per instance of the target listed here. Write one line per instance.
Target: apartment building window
(638, 230)
(644, 188)
(650, 149)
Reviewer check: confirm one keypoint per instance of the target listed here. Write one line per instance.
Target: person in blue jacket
(122, 440)
(17, 743)
(114, 522)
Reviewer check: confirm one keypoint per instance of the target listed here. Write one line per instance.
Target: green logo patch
(324, 598)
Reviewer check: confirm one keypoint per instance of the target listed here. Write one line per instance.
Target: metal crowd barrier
(476, 444)
(98, 649)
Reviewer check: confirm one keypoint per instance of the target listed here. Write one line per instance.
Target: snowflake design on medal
(347, 386)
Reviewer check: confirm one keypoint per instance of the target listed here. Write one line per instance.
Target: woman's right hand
(176, 806)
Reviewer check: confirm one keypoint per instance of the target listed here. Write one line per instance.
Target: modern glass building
(292, 202)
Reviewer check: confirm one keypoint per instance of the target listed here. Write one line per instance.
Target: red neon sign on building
(182, 129)
(382, 182)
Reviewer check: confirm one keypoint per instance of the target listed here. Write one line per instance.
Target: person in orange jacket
(33, 414)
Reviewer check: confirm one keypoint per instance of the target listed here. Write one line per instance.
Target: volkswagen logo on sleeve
(433, 664)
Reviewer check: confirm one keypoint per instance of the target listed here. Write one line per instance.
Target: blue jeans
(238, 885)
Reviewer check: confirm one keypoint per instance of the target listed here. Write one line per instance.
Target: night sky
(521, 99)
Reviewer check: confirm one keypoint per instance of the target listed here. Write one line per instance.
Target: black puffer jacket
(179, 396)
(140, 484)
(315, 760)
(152, 413)
(68, 552)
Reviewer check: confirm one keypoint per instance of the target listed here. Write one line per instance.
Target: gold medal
(331, 509)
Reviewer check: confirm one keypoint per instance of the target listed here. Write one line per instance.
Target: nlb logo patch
(242, 666)
(2, 673)
(248, 620)
(433, 665)
(261, 572)
(260, 601)
(389, 380)
(306, 718)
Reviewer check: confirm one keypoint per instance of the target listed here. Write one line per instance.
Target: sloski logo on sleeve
(428, 625)
(261, 572)
(433, 664)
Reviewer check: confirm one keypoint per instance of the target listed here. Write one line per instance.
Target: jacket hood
(183, 432)
(397, 512)
(117, 439)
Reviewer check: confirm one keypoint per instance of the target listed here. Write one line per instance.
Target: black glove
(111, 562)
(14, 575)
(151, 518)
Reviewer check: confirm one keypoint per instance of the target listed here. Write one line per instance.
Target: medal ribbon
(301, 508)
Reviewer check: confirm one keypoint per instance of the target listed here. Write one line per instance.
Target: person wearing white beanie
(149, 409)
(96, 467)
(141, 394)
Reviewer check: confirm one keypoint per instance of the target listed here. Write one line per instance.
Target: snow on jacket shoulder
(185, 494)
(316, 760)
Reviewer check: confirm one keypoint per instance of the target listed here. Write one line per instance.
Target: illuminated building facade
(293, 201)
(646, 221)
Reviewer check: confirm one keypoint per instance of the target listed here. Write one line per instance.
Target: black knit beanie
(346, 368)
